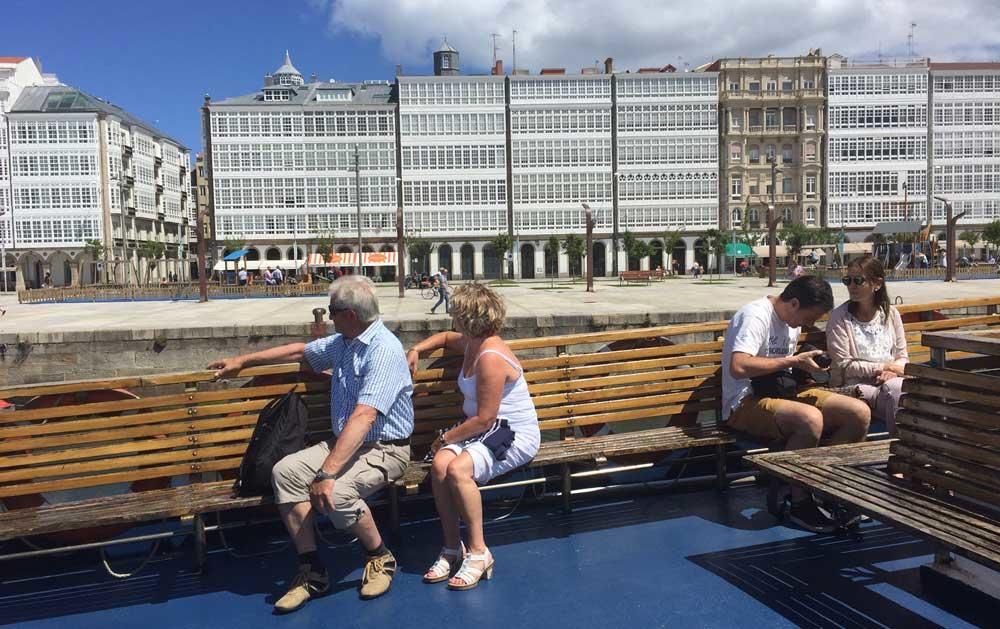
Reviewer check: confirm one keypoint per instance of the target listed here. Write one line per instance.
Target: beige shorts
(373, 467)
(756, 416)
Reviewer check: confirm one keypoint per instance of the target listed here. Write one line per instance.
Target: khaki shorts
(373, 467)
(756, 416)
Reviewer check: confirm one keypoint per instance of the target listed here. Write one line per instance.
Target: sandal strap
(468, 574)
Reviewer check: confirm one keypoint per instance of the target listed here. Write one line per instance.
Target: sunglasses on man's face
(857, 279)
(335, 310)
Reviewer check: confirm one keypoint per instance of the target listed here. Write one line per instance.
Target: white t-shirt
(755, 329)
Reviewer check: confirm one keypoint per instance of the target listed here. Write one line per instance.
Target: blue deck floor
(697, 559)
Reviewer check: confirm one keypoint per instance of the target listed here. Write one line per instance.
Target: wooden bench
(941, 478)
(155, 432)
(629, 277)
(658, 275)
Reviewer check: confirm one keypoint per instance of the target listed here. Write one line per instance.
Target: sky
(159, 59)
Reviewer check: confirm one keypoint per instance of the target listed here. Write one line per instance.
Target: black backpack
(280, 431)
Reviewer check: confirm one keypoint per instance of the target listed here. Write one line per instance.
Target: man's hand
(321, 496)
(412, 357)
(226, 367)
(805, 361)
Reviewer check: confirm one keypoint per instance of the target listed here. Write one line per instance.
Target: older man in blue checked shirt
(372, 417)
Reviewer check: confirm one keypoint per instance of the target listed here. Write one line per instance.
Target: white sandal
(470, 576)
(441, 569)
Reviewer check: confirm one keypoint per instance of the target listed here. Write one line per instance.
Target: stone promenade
(525, 300)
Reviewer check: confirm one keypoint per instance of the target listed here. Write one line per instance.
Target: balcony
(781, 197)
(761, 95)
(127, 150)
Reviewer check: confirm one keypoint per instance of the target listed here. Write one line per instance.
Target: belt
(394, 442)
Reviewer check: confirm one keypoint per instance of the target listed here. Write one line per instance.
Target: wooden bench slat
(943, 481)
(923, 423)
(902, 507)
(951, 447)
(182, 399)
(620, 416)
(113, 451)
(951, 411)
(980, 477)
(190, 455)
(590, 395)
(657, 364)
(952, 393)
(615, 381)
(125, 509)
(572, 410)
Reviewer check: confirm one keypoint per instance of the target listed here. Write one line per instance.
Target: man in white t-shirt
(761, 339)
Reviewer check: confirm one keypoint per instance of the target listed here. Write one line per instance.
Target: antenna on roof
(513, 49)
(909, 38)
(494, 36)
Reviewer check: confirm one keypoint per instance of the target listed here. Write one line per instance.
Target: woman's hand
(886, 376)
(437, 444)
(412, 356)
(895, 368)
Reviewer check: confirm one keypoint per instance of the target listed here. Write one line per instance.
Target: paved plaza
(526, 299)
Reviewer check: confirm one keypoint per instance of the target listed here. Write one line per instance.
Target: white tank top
(515, 403)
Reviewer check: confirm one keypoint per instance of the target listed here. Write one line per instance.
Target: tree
(552, 252)
(634, 247)
(671, 240)
(991, 234)
(503, 243)
(575, 249)
(325, 245)
(795, 236)
(715, 242)
(970, 237)
(151, 251)
(234, 243)
(93, 249)
(418, 249)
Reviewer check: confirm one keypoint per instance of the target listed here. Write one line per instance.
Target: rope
(126, 575)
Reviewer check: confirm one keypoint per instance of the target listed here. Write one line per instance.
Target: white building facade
(877, 151)
(966, 141)
(452, 140)
(85, 170)
(288, 163)
(667, 159)
(561, 145)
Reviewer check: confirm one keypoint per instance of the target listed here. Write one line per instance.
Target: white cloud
(576, 33)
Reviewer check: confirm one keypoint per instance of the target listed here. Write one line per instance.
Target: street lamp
(772, 224)
(732, 227)
(3, 247)
(357, 195)
(952, 221)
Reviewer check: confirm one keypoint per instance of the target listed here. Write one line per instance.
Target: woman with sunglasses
(866, 341)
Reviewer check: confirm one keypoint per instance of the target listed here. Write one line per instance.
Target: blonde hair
(477, 311)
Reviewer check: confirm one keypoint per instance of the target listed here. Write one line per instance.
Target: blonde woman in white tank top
(498, 412)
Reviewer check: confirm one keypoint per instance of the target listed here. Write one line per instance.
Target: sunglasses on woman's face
(857, 279)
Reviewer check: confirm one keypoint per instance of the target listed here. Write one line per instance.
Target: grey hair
(356, 292)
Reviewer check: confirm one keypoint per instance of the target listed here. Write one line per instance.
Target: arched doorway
(11, 275)
(492, 263)
(272, 253)
(59, 265)
(679, 255)
(343, 268)
(31, 269)
(599, 254)
(656, 258)
(369, 271)
(253, 254)
(576, 266)
(387, 272)
(527, 262)
(701, 253)
(444, 259)
(468, 253)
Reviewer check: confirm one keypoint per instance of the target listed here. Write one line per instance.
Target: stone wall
(60, 356)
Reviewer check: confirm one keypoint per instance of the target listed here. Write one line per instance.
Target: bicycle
(429, 292)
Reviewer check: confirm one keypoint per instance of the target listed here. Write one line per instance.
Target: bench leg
(394, 508)
(200, 552)
(721, 481)
(567, 489)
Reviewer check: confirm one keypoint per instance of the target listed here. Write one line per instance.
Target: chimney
(498, 68)
(399, 70)
(609, 66)
(553, 71)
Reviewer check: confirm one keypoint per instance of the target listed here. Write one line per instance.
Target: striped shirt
(369, 369)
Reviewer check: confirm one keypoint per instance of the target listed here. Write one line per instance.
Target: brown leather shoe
(307, 584)
(378, 575)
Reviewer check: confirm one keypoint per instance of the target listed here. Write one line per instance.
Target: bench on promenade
(629, 277)
(175, 440)
(658, 275)
(940, 479)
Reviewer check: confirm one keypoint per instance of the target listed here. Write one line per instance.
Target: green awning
(738, 250)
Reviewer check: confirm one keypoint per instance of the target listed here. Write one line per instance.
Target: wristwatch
(321, 475)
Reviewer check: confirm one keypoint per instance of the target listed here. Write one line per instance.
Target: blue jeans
(442, 298)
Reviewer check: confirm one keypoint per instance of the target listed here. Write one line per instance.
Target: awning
(258, 265)
(236, 255)
(738, 250)
(763, 251)
(369, 258)
(898, 227)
